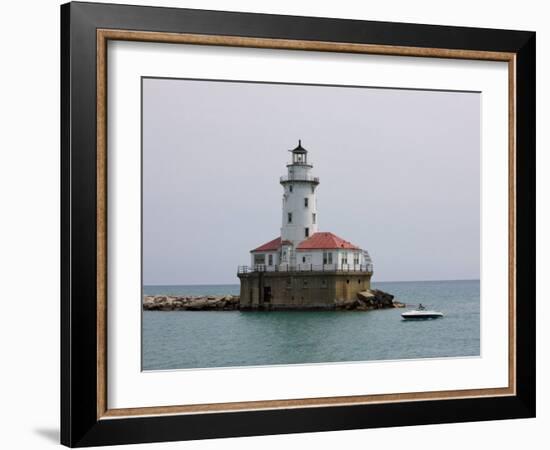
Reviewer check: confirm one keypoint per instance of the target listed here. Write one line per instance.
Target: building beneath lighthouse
(303, 268)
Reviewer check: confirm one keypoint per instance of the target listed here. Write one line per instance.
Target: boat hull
(421, 315)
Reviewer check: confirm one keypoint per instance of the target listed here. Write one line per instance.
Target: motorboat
(421, 313)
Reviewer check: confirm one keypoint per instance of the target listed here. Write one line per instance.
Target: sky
(399, 175)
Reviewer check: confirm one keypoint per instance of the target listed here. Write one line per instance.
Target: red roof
(325, 240)
(273, 245)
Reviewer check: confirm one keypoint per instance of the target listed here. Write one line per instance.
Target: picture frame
(86, 418)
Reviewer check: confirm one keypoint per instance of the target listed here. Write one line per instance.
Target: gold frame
(104, 35)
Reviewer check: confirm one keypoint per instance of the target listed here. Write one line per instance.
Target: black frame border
(79, 423)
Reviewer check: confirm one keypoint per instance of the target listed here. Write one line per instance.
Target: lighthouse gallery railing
(365, 268)
(299, 178)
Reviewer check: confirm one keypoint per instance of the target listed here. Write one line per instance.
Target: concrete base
(300, 290)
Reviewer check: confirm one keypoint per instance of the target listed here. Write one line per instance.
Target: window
(327, 258)
(323, 283)
(306, 202)
(344, 258)
(307, 232)
(289, 217)
(314, 218)
(312, 189)
(259, 259)
(290, 188)
(303, 259)
(356, 258)
(304, 285)
(270, 260)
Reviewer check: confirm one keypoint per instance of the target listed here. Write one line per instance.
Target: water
(195, 289)
(201, 339)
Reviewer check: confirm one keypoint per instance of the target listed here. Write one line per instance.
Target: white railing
(366, 268)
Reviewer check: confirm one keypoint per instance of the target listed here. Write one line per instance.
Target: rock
(197, 304)
(366, 301)
(375, 299)
(366, 295)
(191, 303)
(346, 304)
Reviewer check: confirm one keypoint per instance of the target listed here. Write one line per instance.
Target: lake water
(201, 339)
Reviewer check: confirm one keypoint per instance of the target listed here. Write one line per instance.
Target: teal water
(193, 289)
(201, 339)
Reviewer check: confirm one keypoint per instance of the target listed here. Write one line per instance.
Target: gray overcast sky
(399, 175)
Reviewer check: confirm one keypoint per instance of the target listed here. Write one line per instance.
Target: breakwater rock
(364, 301)
(368, 300)
(191, 303)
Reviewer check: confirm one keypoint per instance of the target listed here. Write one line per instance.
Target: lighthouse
(299, 220)
(303, 268)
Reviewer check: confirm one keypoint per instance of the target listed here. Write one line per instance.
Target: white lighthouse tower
(299, 220)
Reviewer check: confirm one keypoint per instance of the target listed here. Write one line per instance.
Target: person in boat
(421, 307)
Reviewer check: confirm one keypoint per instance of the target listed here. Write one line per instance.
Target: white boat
(421, 313)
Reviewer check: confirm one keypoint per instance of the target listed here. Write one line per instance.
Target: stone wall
(300, 290)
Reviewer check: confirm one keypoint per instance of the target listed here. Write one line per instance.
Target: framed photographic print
(277, 224)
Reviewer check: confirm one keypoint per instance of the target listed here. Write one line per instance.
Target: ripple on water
(201, 339)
